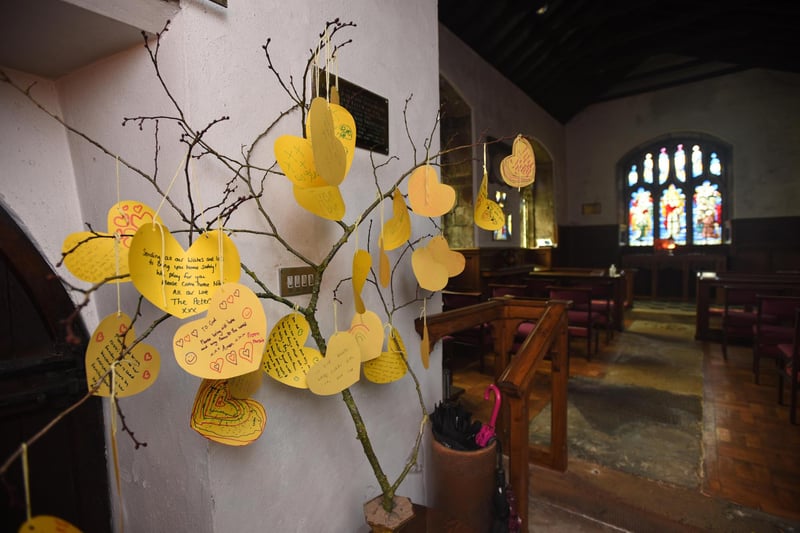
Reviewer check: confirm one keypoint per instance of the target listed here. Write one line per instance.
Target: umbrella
(487, 432)
(453, 426)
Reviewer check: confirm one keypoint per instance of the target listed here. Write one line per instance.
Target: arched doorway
(41, 375)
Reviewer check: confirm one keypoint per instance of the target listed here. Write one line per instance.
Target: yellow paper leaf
(228, 341)
(431, 275)
(488, 213)
(344, 128)
(286, 359)
(47, 524)
(177, 281)
(367, 328)
(325, 201)
(134, 373)
(95, 257)
(218, 416)
(330, 157)
(384, 270)
(397, 230)
(362, 262)
(296, 159)
(453, 261)
(339, 369)
(246, 385)
(426, 195)
(519, 168)
(391, 365)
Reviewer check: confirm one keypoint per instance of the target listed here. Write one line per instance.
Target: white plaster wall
(501, 110)
(756, 111)
(307, 472)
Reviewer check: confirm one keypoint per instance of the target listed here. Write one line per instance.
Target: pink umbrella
(487, 431)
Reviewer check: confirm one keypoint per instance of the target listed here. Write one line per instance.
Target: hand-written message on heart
(519, 168)
(339, 369)
(229, 341)
(133, 373)
(177, 281)
(286, 359)
(391, 365)
(219, 417)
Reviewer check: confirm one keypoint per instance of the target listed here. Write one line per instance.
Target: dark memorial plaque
(370, 113)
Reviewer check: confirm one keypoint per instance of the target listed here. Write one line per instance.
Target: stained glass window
(679, 195)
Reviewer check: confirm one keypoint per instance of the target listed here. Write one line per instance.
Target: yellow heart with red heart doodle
(228, 341)
(218, 416)
(95, 257)
(180, 281)
(133, 373)
(286, 359)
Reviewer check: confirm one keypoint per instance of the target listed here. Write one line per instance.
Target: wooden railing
(514, 376)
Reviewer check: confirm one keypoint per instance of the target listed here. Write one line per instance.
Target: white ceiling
(50, 38)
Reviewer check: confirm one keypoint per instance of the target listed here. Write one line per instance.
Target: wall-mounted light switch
(296, 280)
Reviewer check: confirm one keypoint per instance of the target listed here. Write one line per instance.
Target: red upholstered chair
(603, 303)
(582, 319)
(516, 290)
(774, 326)
(739, 314)
(789, 368)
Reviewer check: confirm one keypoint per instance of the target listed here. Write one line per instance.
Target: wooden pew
(710, 284)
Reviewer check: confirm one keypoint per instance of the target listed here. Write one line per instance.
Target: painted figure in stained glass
(647, 171)
(715, 167)
(680, 163)
(663, 166)
(707, 214)
(633, 176)
(640, 218)
(697, 161)
(673, 214)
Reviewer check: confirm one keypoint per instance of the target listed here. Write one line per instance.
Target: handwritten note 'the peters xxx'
(229, 341)
(133, 373)
(177, 281)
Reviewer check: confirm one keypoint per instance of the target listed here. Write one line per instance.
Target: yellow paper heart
(47, 524)
(488, 213)
(384, 270)
(362, 262)
(397, 230)
(286, 359)
(425, 347)
(228, 341)
(519, 168)
(246, 385)
(339, 369)
(95, 257)
(453, 261)
(134, 373)
(431, 275)
(219, 417)
(426, 195)
(330, 156)
(296, 158)
(367, 328)
(325, 201)
(177, 281)
(391, 365)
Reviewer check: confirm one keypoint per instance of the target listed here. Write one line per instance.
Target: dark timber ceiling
(568, 54)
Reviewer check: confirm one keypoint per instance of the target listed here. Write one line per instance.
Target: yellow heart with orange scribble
(218, 416)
